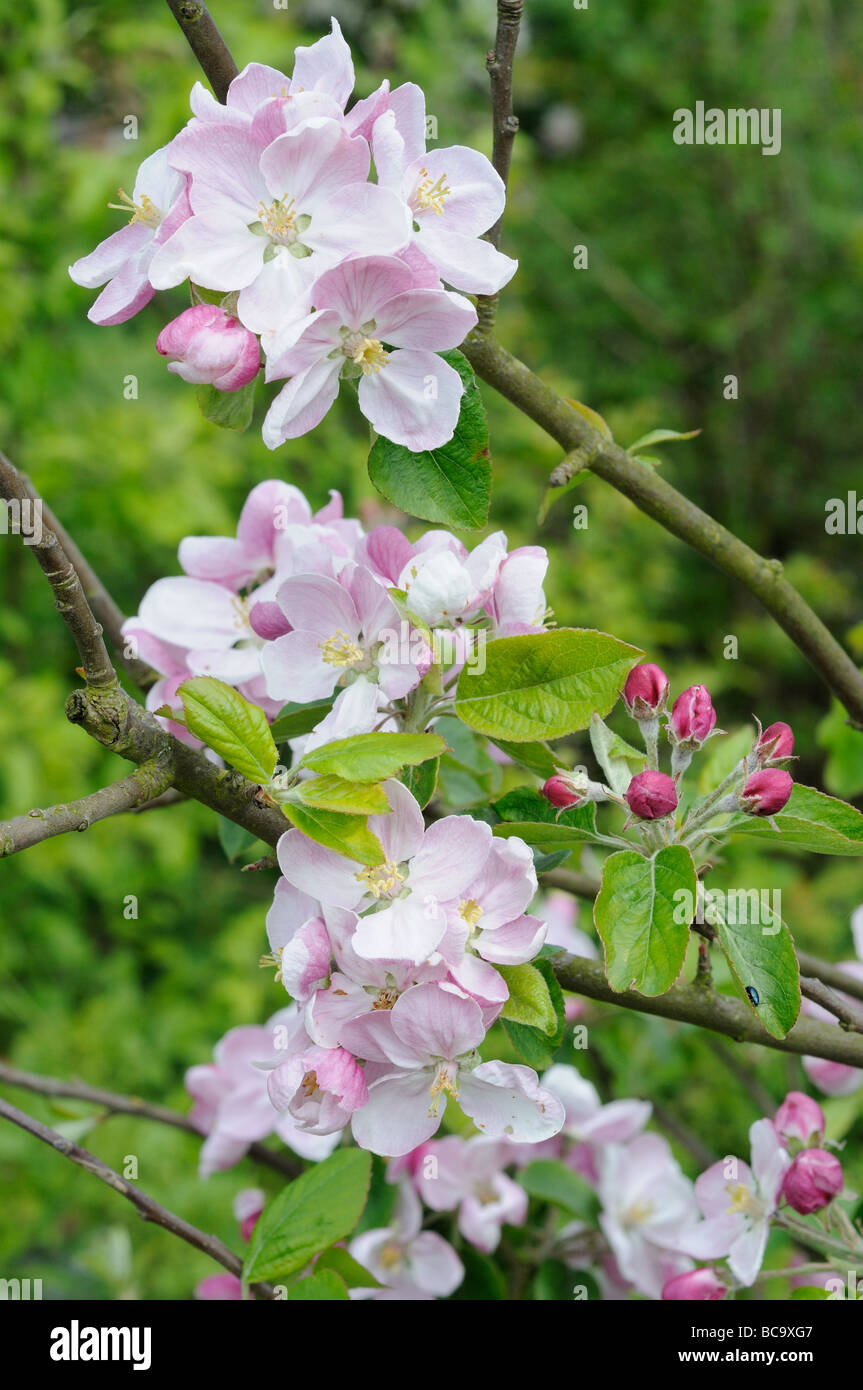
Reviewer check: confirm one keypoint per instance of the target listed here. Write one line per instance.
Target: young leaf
(347, 835)
(545, 684)
(660, 437)
(812, 821)
(421, 780)
(324, 1286)
(335, 794)
(296, 720)
(536, 757)
(232, 410)
(531, 1044)
(373, 757)
(618, 759)
(450, 484)
(311, 1213)
(529, 1001)
(230, 725)
(635, 917)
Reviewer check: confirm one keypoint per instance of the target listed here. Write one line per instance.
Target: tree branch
(142, 785)
(147, 1207)
(721, 1013)
(206, 43)
(659, 500)
(499, 62)
(132, 1105)
(69, 597)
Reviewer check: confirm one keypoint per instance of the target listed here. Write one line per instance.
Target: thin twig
(131, 793)
(499, 62)
(117, 1104)
(146, 1206)
(206, 43)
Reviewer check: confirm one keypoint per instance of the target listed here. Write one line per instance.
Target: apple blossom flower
(696, 1286)
(159, 206)
(588, 1122)
(267, 222)
(517, 603)
(404, 1256)
(737, 1204)
(208, 345)
(647, 1202)
(338, 630)
(232, 1105)
(444, 583)
(428, 1044)
(812, 1181)
(407, 392)
(319, 1087)
(421, 868)
(454, 195)
(468, 1175)
(800, 1119)
(559, 911)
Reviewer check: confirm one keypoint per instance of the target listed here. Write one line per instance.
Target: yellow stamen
(470, 911)
(277, 219)
(430, 196)
(370, 355)
(390, 1256)
(145, 211)
(741, 1199)
(340, 650)
(310, 1084)
(382, 880)
(386, 999)
(445, 1083)
(638, 1213)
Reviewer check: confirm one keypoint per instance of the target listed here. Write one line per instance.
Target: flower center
(368, 353)
(277, 220)
(145, 211)
(340, 650)
(382, 881)
(445, 1083)
(390, 1257)
(386, 998)
(638, 1213)
(470, 911)
(429, 195)
(743, 1201)
(310, 1086)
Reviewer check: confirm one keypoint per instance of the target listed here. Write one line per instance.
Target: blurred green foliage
(702, 262)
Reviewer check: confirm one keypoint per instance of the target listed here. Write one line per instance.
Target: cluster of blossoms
(264, 204)
(758, 786)
(300, 606)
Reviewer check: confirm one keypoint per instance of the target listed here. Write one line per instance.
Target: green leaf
(548, 838)
(295, 720)
(323, 1287)
(634, 914)
(592, 416)
(483, 1281)
(618, 759)
(660, 437)
(553, 1282)
(372, 757)
(451, 484)
(536, 757)
(531, 1044)
(530, 1001)
(551, 1180)
(335, 794)
(843, 771)
(311, 1213)
(421, 780)
(811, 821)
(355, 1275)
(545, 684)
(809, 1293)
(347, 835)
(232, 410)
(230, 725)
(233, 838)
(763, 962)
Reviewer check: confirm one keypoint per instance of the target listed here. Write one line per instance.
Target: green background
(702, 262)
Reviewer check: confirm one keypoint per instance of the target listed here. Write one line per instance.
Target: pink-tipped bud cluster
(646, 691)
(765, 792)
(651, 795)
(695, 1286)
(693, 718)
(209, 347)
(800, 1119)
(775, 744)
(812, 1181)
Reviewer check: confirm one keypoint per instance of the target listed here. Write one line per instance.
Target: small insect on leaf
(754, 997)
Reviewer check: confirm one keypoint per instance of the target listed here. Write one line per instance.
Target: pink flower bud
(765, 792)
(812, 1181)
(693, 717)
(210, 347)
(560, 792)
(651, 795)
(800, 1117)
(776, 743)
(696, 1286)
(646, 691)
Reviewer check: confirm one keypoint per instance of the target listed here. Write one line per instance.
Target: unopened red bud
(651, 795)
(812, 1181)
(799, 1117)
(210, 347)
(560, 792)
(646, 690)
(766, 792)
(775, 743)
(695, 1286)
(693, 717)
